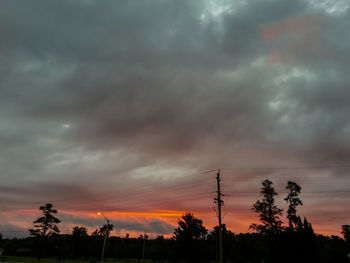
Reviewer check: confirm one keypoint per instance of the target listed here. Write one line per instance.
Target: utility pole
(105, 237)
(220, 203)
(144, 247)
(104, 241)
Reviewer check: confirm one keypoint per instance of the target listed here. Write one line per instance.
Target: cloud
(121, 105)
(294, 35)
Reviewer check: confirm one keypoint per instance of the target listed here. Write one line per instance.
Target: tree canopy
(46, 225)
(105, 230)
(346, 232)
(269, 213)
(293, 201)
(189, 237)
(190, 228)
(79, 231)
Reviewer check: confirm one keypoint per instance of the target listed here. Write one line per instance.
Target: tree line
(272, 241)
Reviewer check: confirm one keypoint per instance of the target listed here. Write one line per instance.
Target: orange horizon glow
(156, 213)
(237, 224)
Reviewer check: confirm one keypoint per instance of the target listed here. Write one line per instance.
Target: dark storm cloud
(94, 92)
(31, 195)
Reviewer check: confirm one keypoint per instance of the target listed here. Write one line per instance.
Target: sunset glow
(127, 111)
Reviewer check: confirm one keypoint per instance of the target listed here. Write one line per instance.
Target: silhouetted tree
(44, 227)
(161, 249)
(290, 247)
(47, 224)
(78, 234)
(301, 244)
(307, 226)
(79, 231)
(104, 230)
(190, 228)
(268, 212)
(293, 201)
(229, 241)
(346, 232)
(188, 237)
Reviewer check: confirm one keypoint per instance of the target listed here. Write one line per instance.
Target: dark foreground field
(53, 260)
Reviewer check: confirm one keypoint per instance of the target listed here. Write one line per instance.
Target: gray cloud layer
(118, 94)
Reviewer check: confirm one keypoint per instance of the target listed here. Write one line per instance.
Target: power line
(220, 203)
(288, 179)
(13, 231)
(288, 167)
(142, 194)
(139, 204)
(121, 200)
(201, 181)
(182, 186)
(174, 199)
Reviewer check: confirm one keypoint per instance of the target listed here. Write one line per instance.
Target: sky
(130, 107)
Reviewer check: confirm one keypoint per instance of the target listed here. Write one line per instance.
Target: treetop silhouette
(105, 230)
(346, 232)
(269, 213)
(47, 224)
(79, 231)
(190, 228)
(293, 200)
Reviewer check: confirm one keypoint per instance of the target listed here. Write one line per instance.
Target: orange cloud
(238, 220)
(156, 213)
(292, 36)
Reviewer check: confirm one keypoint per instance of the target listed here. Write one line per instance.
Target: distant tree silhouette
(161, 249)
(95, 233)
(229, 241)
(346, 232)
(190, 228)
(299, 246)
(104, 230)
(268, 212)
(79, 231)
(307, 239)
(307, 226)
(47, 224)
(188, 236)
(293, 201)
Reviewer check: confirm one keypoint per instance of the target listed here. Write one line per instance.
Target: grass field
(53, 260)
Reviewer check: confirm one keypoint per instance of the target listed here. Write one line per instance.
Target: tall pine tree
(47, 224)
(269, 213)
(293, 201)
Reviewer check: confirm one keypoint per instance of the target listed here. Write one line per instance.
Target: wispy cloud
(121, 105)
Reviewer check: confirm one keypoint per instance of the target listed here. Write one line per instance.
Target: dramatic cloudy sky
(128, 107)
